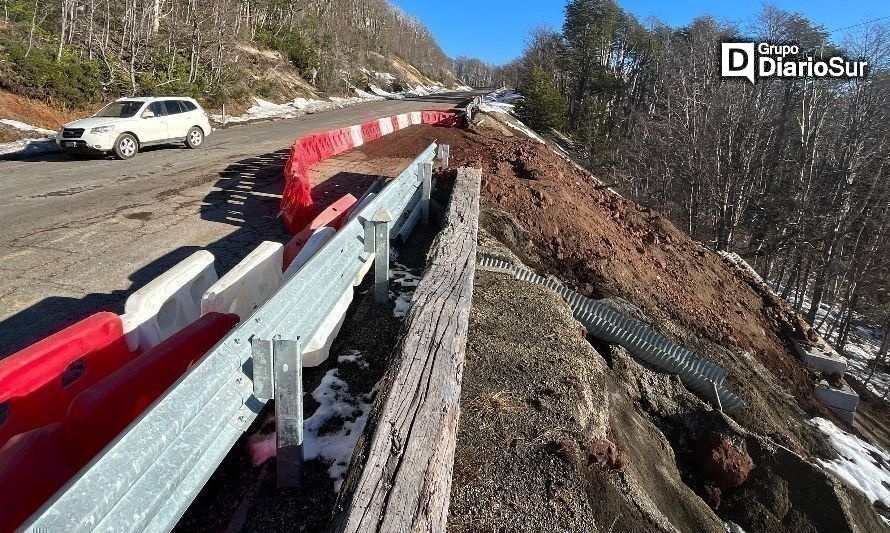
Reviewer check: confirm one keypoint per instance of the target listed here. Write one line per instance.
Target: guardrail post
(381, 221)
(425, 171)
(445, 154)
(289, 412)
(263, 385)
(369, 236)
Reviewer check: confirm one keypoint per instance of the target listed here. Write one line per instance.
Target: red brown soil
(37, 113)
(720, 462)
(606, 245)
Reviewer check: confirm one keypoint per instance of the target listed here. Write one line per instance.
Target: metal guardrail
(472, 107)
(702, 376)
(147, 477)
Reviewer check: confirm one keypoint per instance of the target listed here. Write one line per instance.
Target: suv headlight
(102, 129)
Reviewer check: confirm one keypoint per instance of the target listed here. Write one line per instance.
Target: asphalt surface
(78, 236)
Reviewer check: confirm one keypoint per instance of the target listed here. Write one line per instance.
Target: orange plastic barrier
(333, 216)
(33, 466)
(100, 413)
(38, 383)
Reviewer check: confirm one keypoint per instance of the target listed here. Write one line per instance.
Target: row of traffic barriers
(296, 202)
(66, 397)
(160, 456)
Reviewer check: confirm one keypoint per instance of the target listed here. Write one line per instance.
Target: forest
(70, 52)
(792, 174)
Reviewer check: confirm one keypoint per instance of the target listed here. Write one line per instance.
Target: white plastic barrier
(385, 125)
(247, 286)
(319, 346)
(168, 303)
(416, 117)
(313, 244)
(356, 133)
(403, 121)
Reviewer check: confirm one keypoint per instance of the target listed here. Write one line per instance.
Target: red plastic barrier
(439, 118)
(333, 216)
(371, 131)
(100, 413)
(33, 466)
(296, 201)
(38, 383)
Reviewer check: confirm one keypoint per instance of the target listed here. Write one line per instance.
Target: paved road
(77, 236)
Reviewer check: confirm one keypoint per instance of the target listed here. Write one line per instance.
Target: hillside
(220, 53)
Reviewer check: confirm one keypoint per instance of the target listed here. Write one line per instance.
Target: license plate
(70, 145)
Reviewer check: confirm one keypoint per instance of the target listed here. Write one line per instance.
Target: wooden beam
(400, 475)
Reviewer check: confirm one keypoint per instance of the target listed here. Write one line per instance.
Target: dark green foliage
(289, 43)
(71, 82)
(543, 108)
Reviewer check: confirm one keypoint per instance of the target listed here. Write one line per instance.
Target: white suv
(127, 124)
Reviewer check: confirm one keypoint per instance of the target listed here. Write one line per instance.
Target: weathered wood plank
(400, 476)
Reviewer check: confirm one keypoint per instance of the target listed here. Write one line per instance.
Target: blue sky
(495, 30)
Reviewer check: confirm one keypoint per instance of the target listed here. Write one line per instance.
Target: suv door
(176, 122)
(154, 123)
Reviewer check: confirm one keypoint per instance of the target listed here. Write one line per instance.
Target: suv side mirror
(148, 113)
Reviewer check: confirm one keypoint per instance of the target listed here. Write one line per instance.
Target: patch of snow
(334, 402)
(385, 94)
(496, 107)
(863, 342)
(406, 281)
(352, 356)
(28, 148)
(525, 130)
(26, 127)
(264, 109)
(39, 141)
(860, 464)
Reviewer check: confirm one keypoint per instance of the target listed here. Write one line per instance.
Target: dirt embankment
(561, 221)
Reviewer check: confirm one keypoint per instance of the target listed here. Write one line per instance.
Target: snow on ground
(37, 140)
(264, 109)
(335, 404)
(26, 127)
(28, 147)
(862, 346)
(860, 464)
(525, 130)
(406, 280)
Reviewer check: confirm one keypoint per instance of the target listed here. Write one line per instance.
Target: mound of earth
(560, 435)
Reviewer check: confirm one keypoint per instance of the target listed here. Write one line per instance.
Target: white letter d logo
(737, 60)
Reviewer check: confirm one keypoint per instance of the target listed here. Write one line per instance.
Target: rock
(717, 460)
(605, 454)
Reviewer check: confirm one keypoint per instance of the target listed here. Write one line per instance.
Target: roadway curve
(77, 236)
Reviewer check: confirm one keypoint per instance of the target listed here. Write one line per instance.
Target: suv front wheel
(126, 146)
(195, 137)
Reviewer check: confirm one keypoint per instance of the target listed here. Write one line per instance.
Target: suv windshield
(123, 109)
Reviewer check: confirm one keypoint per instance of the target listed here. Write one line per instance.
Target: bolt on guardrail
(699, 375)
(146, 479)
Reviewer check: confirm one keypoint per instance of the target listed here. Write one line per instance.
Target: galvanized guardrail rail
(700, 375)
(146, 479)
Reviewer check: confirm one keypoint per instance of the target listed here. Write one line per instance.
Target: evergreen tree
(543, 108)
